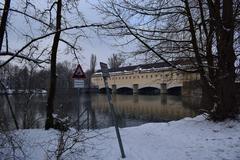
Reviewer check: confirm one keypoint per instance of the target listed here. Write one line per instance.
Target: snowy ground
(189, 138)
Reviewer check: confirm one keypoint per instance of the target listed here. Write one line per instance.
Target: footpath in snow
(186, 139)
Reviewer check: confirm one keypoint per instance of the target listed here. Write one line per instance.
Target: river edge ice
(186, 139)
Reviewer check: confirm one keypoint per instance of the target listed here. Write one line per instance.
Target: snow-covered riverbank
(189, 138)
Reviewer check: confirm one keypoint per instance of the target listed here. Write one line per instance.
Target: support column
(135, 88)
(163, 99)
(163, 89)
(135, 99)
(114, 89)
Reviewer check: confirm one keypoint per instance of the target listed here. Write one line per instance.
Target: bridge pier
(163, 89)
(114, 89)
(135, 88)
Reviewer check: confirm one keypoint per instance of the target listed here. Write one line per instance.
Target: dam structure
(155, 78)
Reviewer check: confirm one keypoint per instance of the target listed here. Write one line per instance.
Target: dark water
(94, 111)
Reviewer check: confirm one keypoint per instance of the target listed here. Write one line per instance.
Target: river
(132, 110)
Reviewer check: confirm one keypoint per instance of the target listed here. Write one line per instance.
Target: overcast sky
(102, 47)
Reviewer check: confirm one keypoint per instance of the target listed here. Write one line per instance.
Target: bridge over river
(145, 79)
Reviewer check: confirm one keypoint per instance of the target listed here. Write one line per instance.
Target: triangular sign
(79, 74)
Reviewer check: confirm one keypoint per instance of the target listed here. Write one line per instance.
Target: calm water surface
(93, 111)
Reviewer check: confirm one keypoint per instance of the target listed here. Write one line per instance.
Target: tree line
(30, 79)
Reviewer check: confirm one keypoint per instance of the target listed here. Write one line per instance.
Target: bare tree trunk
(226, 106)
(218, 91)
(207, 101)
(4, 21)
(10, 106)
(53, 77)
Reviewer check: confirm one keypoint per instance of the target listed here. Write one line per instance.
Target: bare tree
(91, 71)
(115, 61)
(203, 33)
(93, 63)
(53, 77)
(4, 21)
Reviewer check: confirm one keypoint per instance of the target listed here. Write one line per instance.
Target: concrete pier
(163, 89)
(135, 88)
(114, 89)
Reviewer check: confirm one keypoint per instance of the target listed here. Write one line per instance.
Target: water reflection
(145, 108)
(92, 110)
(29, 111)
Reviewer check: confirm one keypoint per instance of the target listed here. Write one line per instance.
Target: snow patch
(186, 139)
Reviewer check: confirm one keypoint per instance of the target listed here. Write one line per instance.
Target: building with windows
(145, 79)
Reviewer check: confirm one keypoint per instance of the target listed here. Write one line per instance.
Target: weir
(158, 78)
